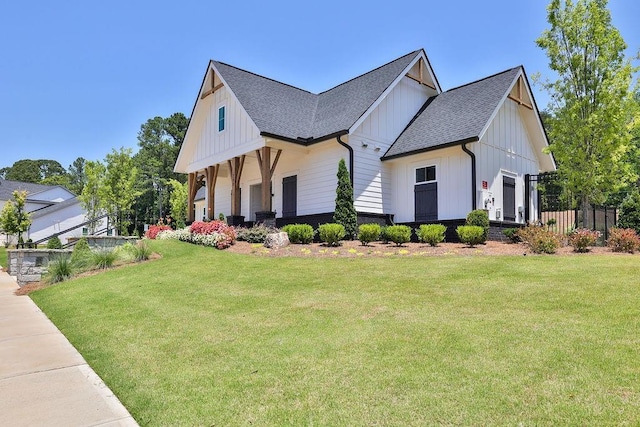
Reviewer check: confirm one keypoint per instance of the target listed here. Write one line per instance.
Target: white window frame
(415, 170)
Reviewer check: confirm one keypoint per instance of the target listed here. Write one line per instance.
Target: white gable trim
(189, 143)
(377, 102)
(539, 127)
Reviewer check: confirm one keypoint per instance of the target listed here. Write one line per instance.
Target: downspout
(473, 175)
(350, 148)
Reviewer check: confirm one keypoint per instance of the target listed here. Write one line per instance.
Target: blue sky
(78, 78)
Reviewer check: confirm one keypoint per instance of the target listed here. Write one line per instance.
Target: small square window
(425, 174)
(221, 118)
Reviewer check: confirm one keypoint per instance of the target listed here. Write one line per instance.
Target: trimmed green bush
(54, 243)
(479, 218)
(471, 235)
(299, 233)
(368, 233)
(384, 236)
(511, 234)
(431, 233)
(331, 233)
(59, 269)
(630, 212)
(399, 234)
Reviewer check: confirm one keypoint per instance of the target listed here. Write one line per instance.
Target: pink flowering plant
(623, 240)
(581, 238)
(214, 233)
(154, 230)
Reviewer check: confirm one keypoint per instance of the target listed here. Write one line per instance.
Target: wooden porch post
(235, 172)
(266, 171)
(194, 182)
(211, 174)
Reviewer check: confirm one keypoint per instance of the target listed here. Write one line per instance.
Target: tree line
(131, 189)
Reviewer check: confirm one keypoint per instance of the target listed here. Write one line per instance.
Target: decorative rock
(276, 240)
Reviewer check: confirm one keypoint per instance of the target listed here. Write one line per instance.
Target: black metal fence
(560, 210)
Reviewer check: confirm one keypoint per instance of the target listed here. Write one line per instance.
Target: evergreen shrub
(299, 233)
(623, 240)
(471, 235)
(479, 218)
(511, 234)
(54, 243)
(398, 234)
(431, 233)
(368, 233)
(331, 233)
(629, 214)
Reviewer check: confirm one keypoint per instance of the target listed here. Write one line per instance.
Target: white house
(54, 210)
(416, 154)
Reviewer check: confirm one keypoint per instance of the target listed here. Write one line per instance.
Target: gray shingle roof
(286, 111)
(7, 188)
(454, 116)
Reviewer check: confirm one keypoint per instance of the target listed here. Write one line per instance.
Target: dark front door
(426, 202)
(290, 196)
(509, 198)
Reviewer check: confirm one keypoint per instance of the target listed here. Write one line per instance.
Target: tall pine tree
(345, 212)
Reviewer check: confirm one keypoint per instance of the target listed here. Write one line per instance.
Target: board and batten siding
(372, 183)
(505, 150)
(453, 175)
(239, 136)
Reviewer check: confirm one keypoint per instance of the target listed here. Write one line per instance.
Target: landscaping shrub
(368, 233)
(345, 212)
(581, 238)
(398, 234)
(256, 234)
(81, 255)
(384, 236)
(331, 233)
(471, 235)
(539, 239)
(299, 233)
(153, 231)
(431, 233)
(141, 251)
(623, 240)
(630, 212)
(479, 218)
(103, 259)
(54, 243)
(214, 233)
(511, 234)
(59, 269)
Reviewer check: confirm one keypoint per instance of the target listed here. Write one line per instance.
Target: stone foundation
(104, 242)
(28, 265)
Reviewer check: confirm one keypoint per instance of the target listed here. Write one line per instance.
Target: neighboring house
(54, 210)
(264, 149)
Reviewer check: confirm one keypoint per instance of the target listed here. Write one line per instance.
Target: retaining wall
(28, 265)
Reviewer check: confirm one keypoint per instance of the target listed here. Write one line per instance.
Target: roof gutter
(350, 148)
(473, 175)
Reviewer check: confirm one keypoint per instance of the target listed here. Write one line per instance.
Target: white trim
(415, 169)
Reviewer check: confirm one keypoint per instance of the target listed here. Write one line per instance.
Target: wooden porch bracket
(211, 175)
(266, 171)
(518, 97)
(194, 183)
(235, 173)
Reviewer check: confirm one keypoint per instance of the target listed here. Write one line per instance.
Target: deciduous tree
(591, 102)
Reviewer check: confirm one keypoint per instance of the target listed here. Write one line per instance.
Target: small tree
(90, 198)
(14, 219)
(345, 212)
(178, 202)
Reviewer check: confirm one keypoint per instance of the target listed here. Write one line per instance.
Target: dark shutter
(426, 202)
(289, 196)
(509, 198)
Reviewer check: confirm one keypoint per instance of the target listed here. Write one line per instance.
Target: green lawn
(3, 257)
(206, 337)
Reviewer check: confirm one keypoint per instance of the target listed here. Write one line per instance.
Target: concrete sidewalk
(44, 381)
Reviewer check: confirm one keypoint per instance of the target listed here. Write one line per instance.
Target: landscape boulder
(276, 240)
